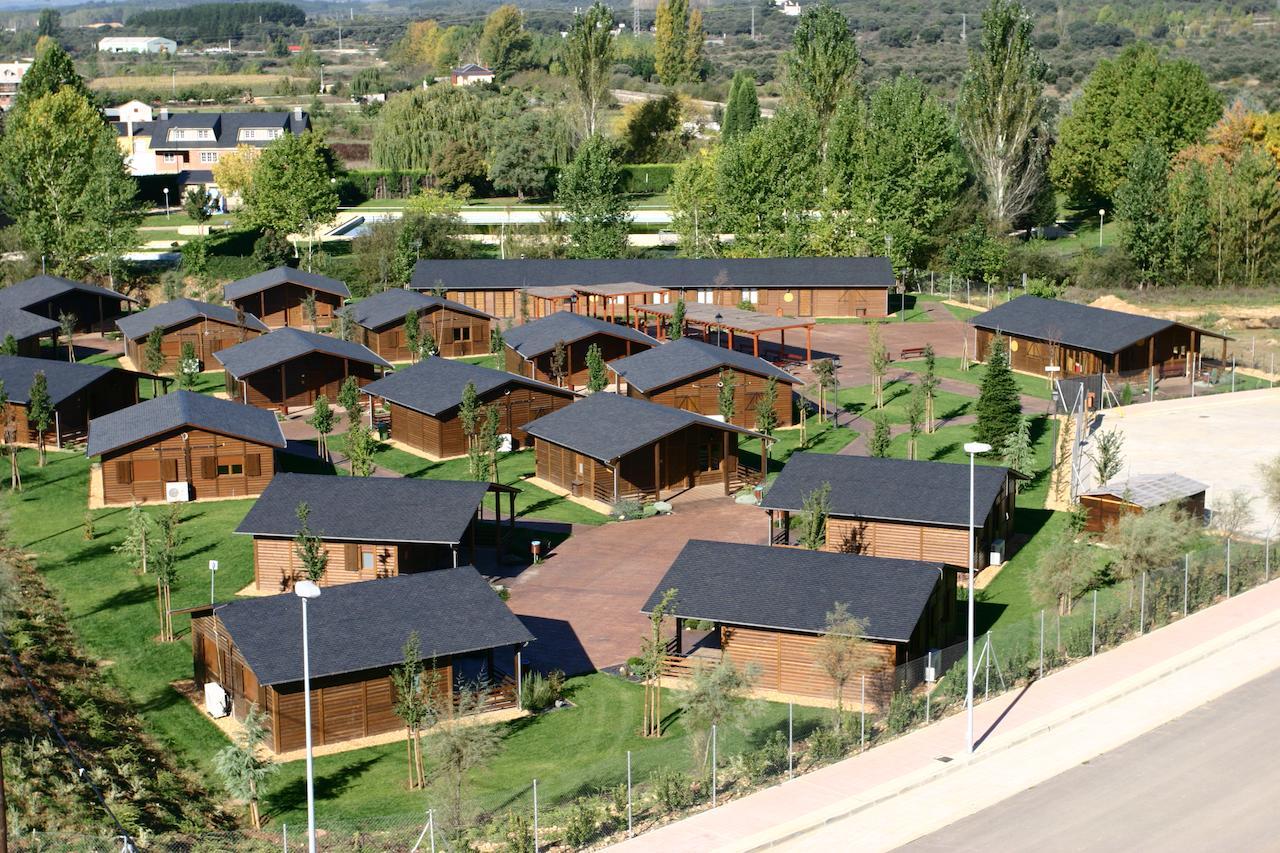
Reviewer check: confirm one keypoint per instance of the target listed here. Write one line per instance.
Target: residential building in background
(470, 74)
(11, 74)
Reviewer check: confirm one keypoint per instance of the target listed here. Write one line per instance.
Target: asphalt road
(1206, 781)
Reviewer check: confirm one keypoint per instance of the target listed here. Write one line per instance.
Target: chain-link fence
(926, 688)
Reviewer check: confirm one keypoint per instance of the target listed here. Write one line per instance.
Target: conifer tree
(742, 111)
(999, 405)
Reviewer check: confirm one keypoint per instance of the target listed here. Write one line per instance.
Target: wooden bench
(911, 352)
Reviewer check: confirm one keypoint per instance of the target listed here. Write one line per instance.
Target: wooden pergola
(603, 300)
(731, 320)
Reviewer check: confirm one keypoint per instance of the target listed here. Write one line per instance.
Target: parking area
(1217, 440)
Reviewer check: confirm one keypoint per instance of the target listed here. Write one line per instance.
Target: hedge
(361, 185)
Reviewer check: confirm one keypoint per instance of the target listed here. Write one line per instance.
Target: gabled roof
(63, 378)
(24, 294)
(434, 386)
(680, 359)
(793, 589)
(23, 324)
(1083, 326)
(672, 273)
(609, 426)
(283, 275)
(391, 306)
(169, 314)
(367, 509)
(887, 489)
(471, 70)
(1150, 490)
(285, 345)
(226, 128)
(179, 409)
(361, 626)
(539, 336)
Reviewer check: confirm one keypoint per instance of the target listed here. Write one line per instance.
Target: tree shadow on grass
(125, 598)
(944, 450)
(293, 796)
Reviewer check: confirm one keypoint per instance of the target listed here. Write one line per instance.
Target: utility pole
(635, 19)
(964, 27)
(753, 22)
(339, 36)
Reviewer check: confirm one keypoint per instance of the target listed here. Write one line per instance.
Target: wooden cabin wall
(701, 394)
(139, 472)
(444, 438)
(500, 302)
(276, 565)
(788, 663)
(456, 335)
(283, 305)
(297, 383)
(611, 349)
(216, 658)
(115, 391)
(207, 336)
(804, 301)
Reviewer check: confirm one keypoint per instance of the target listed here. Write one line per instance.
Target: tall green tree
(165, 563)
(597, 373)
(1016, 452)
(349, 399)
(49, 23)
(842, 652)
(929, 383)
(308, 547)
(881, 437)
(415, 689)
(1001, 113)
(590, 190)
(822, 67)
(1142, 209)
(503, 41)
(361, 445)
(742, 111)
(766, 411)
(40, 410)
(999, 404)
(153, 353)
(678, 43)
(587, 53)
(1137, 96)
(51, 72)
(322, 420)
(694, 204)
(727, 394)
(243, 767)
(188, 370)
(675, 326)
(812, 520)
(292, 189)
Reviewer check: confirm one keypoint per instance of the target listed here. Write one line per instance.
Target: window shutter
(209, 467)
(170, 468)
(351, 556)
(253, 465)
(124, 471)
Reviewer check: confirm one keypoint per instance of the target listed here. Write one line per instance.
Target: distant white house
(470, 74)
(130, 112)
(137, 44)
(11, 74)
(790, 8)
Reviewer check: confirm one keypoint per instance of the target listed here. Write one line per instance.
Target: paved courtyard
(1218, 440)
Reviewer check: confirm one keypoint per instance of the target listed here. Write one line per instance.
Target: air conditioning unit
(177, 492)
(505, 442)
(216, 701)
(996, 557)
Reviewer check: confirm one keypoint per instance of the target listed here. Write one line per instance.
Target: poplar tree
(678, 48)
(412, 334)
(322, 421)
(67, 327)
(929, 383)
(591, 192)
(597, 373)
(308, 547)
(675, 326)
(153, 352)
(588, 59)
(742, 111)
(726, 397)
(40, 410)
(823, 64)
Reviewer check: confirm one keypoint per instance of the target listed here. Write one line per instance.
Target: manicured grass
(177, 217)
(897, 394)
(823, 438)
(571, 752)
(960, 313)
(949, 368)
(490, 361)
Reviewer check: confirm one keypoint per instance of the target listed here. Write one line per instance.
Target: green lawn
(176, 218)
(949, 368)
(957, 311)
(897, 394)
(823, 438)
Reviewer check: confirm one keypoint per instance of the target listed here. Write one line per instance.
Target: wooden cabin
(1108, 503)
(530, 347)
(289, 368)
(208, 328)
(457, 329)
(27, 330)
(769, 610)
(689, 374)
(899, 508)
(424, 400)
(607, 447)
(804, 287)
(203, 446)
(356, 635)
(1083, 340)
(78, 393)
(278, 297)
(370, 527)
(50, 296)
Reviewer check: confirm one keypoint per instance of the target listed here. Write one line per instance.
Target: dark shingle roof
(887, 489)
(226, 128)
(471, 69)
(283, 275)
(360, 626)
(435, 385)
(1083, 326)
(608, 426)
(391, 306)
(539, 336)
(367, 509)
(285, 345)
(687, 357)
(168, 314)
(23, 324)
(28, 292)
(182, 409)
(62, 378)
(674, 273)
(793, 588)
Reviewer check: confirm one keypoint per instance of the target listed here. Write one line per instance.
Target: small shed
(529, 347)
(252, 649)
(457, 329)
(424, 402)
(371, 527)
(278, 297)
(607, 447)
(688, 374)
(769, 609)
(205, 446)
(1135, 495)
(51, 296)
(207, 327)
(290, 368)
(78, 392)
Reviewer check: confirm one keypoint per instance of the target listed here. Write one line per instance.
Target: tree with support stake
(559, 360)
(929, 383)
(153, 352)
(9, 440)
(413, 334)
(138, 539)
(308, 547)
(242, 768)
(767, 420)
(841, 652)
(879, 365)
(322, 421)
(654, 653)
(40, 410)
(67, 326)
(415, 705)
(813, 518)
(597, 373)
(727, 389)
(165, 563)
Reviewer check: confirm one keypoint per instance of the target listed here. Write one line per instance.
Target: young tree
(503, 41)
(1063, 572)
(1142, 209)
(822, 66)
(812, 520)
(291, 190)
(469, 412)
(881, 437)
(1268, 474)
(322, 420)
(824, 370)
(1001, 113)
(1107, 455)
(999, 404)
(153, 352)
(559, 358)
(497, 341)
(726, 395)
(428, 345)
(309, 309)
(138, 538)
(841, 653)
(590, 190)
(717, 696)
(242, 767)
(188, 366)
(414, 689)
(233, 173)
(198, 204)
(165, 562)
(308, 547)
(413, 333)
(361, 446)
(675, 325)
(915, 420)
(742, 111)
(654, 653)
(10, 345)
(767, 413)
(9, 438)
(1234, 514)
(597, 373)
(40, 410)
(678, 42)
(67, 327)
(349, 399)
(929, 383)
(588, 59)
(459, 747)
(346, 324)
(879, 365)
(1016, 452)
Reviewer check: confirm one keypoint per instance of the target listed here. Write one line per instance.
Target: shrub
(580, 828)
(517, 837)
(904, 711)
(195, 256)
(826, 745)
(758, 764)
(1126, 394)
(672, 789)
(538, 693)
(272, 249)
(627, 509)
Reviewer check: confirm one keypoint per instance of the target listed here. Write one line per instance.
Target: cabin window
(367, 560)
(706, 296)
(461, 333)
(171, 158)
(751, 295)
(228, 467)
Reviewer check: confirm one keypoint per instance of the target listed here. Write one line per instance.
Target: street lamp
(166, 202)
(306, 590)
(719, 319)
(1051, 372)
(973, 448)
(1102, 215)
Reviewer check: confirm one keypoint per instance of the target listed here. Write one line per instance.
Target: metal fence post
(1142, 607)
(535, 816)
(862, 710)
(1228, 567)
(928, 702)
(1186, 581)
(629, 827)
(790, 735)
(431, 822)
(1266, 558)
(986, 653)
(1042, 642)
(284, 829)
(1093, 634)
(713, 765)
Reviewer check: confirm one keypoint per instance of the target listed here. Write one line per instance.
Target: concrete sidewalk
(902, 790)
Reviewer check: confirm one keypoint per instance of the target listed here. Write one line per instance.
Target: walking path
(923, 781)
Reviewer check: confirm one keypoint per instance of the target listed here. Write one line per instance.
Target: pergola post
(730, 331)
(680, 635)
(808, 344)
(1151, 361)
(782, 355)
(1190, 357)
(755, 344)
(724, 463)
(657, 470)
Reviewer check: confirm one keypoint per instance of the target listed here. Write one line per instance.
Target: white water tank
(216, 700)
